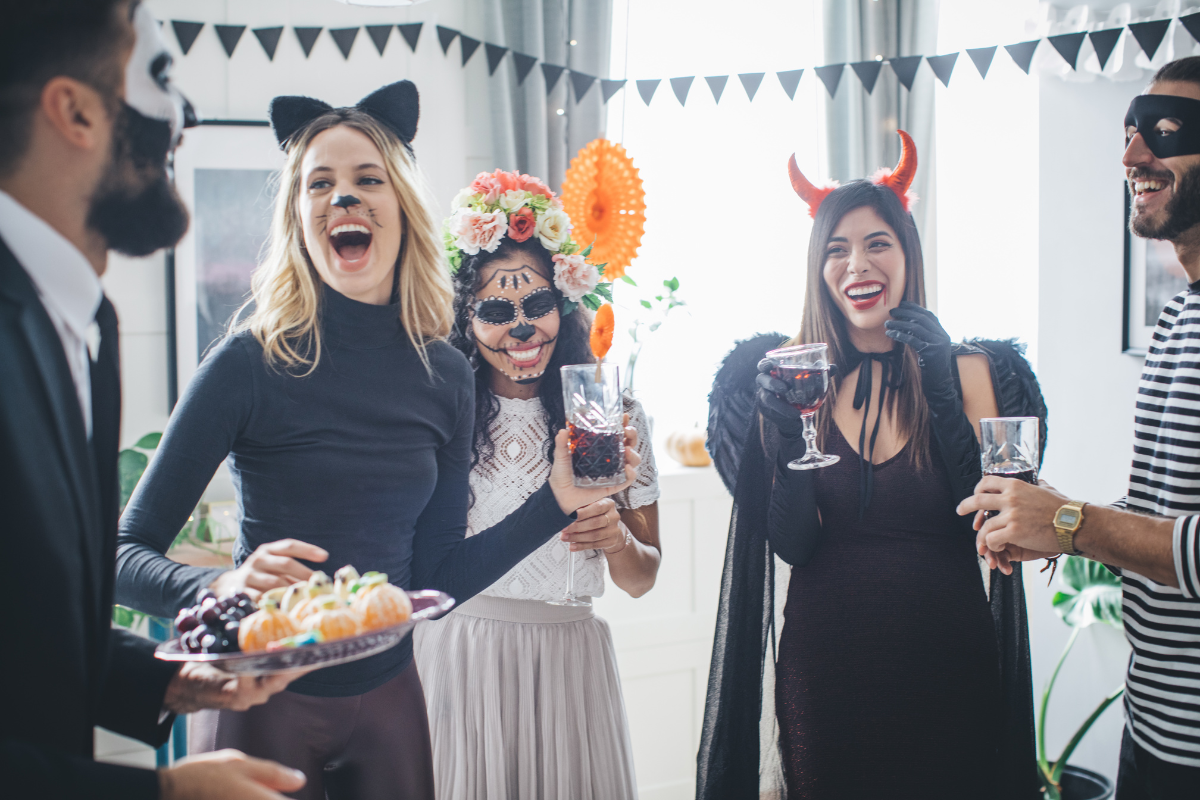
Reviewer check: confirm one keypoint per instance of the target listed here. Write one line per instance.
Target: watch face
(1068, 518)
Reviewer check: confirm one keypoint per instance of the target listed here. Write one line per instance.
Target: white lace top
(517, 470)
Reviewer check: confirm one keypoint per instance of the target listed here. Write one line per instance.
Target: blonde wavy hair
(286, 288)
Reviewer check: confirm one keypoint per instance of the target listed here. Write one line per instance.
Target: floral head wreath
(499, 204)
(898, 179)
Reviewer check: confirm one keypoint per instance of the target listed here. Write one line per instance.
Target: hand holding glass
(805, 370)
(1009, 448)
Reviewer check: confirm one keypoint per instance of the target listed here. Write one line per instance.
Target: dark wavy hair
(571, 347)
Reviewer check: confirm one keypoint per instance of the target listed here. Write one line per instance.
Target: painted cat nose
(523, 332)
(346, 200)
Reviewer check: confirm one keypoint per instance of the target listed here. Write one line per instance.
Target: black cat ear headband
(396, 106)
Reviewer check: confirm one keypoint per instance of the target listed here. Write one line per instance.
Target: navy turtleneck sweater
(367, 457)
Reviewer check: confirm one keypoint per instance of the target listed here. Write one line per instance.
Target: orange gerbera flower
(602, 331)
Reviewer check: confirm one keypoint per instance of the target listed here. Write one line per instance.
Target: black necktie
(106, 410)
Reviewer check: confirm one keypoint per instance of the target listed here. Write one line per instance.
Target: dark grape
(209, 614)
(205, 594)
(186, 621)
(208, 642)
(242, 597)
(188, 642)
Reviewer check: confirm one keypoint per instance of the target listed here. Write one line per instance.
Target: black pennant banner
(982, 58)
(905, 68)
(789, 80)
(681, 86)
(581, 83)
(942, 67)
(411, 31)
(229, 36)
(186, 33)
(1192, 24)
(379, 36)
(344, 39)
(269, 39)
(1149, 34)
(307, 38)
(609, 88)
(750, 82)
(551, 73)
(495, 54)
(646, 89)
(468, 46)
(446, 37)
(1067, 45)
(831, 76)
(716, 85)
(1103, 42)
(868, 73)
(523, 64)
(1022, 53)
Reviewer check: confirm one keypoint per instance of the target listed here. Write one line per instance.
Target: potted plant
(1090, 594)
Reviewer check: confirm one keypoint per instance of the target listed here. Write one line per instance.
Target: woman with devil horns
(890, 676)
(347, 421)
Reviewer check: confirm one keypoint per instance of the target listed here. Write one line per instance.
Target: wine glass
(595, 425)
(1010, 448)
(805, 370)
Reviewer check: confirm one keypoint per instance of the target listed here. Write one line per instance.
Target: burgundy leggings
(373, 745)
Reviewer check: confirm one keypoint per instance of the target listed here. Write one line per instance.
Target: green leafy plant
(1091, 594)
(658, 306)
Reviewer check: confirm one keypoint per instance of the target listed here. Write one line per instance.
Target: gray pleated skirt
(524, 703)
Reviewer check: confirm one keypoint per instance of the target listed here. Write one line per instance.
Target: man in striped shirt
(1157, 549)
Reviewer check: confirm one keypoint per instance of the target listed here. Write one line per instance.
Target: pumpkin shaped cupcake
(380, 603)
(334, 620)
(319, 586)
(264, 626)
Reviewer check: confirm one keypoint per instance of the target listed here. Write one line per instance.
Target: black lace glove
(779, 412)
(919, 328)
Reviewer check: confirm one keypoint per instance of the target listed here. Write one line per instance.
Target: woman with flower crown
(347, 423)
(524, 698)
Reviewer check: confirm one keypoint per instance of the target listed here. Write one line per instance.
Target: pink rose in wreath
(475, 230)
(574, 277)
(521, 224)
(532, 184)
(486, 184)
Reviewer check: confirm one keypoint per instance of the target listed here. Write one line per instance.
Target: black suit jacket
(63, 669)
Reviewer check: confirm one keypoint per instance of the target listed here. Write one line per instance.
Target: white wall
(1088, 383)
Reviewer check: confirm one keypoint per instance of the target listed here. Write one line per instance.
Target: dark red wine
(807, 386)
(1027, 475)
(594, 454)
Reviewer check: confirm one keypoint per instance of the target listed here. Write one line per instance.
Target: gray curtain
(518, 127)
(861, 128)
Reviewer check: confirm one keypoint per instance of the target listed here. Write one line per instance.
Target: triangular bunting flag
(789, 80)
(269, 39)
(943, 66)
(581, 83)
(750, 82)
(344, 39)
(982, 56)
(681, 87)
(411, 31)
(523, 63)
(646, 89)
(495, 54)
(609, 88)
(468, 46)
(1191, 22)
(551, 73)
(867, 72)
(379, 35)
(905, 68)
(307, 38)
(229, 36)
(1022, 53)
(716, 85)
(186, 33)
(1149, 34)
(445, 37)
(830, 75)
(1104, 42)
(1067, 45)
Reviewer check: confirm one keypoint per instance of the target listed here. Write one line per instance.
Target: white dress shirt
(67, 285)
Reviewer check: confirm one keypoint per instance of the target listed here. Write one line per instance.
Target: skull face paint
(515, 319)
(148, 87)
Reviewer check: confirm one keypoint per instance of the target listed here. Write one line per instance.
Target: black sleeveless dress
(888, 673)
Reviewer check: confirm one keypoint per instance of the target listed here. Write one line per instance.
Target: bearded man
(88, 117)
(1156, 550)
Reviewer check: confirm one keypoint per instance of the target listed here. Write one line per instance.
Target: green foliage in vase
(659, 305)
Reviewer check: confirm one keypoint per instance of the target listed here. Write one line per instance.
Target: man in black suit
(87, 118)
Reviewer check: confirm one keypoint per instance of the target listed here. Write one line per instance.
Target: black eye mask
(1147, 110)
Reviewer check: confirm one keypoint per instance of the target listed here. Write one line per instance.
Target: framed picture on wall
(1153, 275)
(225, 172)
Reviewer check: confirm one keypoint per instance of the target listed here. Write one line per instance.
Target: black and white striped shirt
(1162, 698)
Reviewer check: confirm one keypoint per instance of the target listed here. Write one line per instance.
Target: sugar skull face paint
(515, 319)
(148, 86)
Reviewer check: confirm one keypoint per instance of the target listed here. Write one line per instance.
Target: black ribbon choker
(890, 377)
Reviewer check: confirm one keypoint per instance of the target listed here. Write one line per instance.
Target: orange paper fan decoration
(603, 196)
(602, 331)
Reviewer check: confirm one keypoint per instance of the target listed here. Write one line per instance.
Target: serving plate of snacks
(311, 624)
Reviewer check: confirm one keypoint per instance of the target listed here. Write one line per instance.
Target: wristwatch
(1067, 522)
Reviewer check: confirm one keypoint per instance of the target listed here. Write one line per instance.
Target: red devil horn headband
(898, 180)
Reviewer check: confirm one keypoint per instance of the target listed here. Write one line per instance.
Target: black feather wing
(731, 404)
